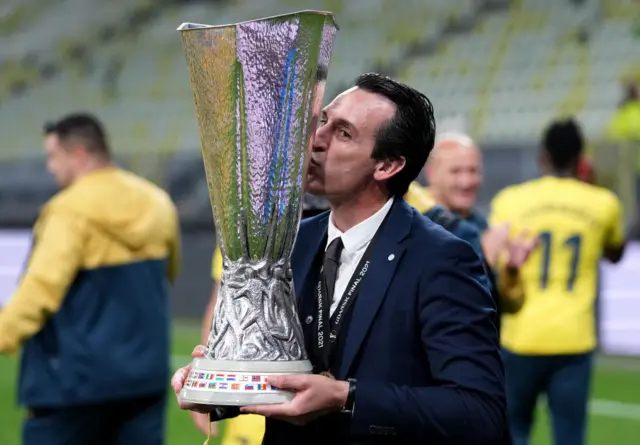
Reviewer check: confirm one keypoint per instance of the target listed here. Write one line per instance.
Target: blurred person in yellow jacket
(91, 311)
(625, 123)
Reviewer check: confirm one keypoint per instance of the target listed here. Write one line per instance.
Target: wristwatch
(350, 404)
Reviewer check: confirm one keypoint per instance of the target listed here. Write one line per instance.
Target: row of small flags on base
(224, 381)
(229, 386)
(226, 377)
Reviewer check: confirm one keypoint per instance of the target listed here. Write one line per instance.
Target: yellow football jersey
(247, 429)
(419, 198)
(216, 265)
(575, 222)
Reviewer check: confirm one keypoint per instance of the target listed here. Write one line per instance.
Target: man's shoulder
(145, 186)
(452, 222)
(511, 192)
(427, 235)
(602, 197)
(67, 200)
(106, 186)
(313, 223)
(309, 233)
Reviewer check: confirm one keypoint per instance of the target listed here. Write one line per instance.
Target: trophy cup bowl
(258, 88)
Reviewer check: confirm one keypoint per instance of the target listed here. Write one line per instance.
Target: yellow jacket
(93, 285)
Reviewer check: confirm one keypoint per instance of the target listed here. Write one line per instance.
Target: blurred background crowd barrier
(498, 69)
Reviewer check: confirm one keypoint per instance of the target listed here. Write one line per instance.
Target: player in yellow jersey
(548, 344)
(244, 429)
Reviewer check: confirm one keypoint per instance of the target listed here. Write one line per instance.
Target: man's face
(61, 162)
(455, 175)
(341, 162)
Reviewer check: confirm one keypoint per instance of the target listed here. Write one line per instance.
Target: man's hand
(519, 249)
(177, 382)
(510, 284)
(494, 241)
(316, 395)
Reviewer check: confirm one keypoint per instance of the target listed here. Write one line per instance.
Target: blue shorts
(139, 421)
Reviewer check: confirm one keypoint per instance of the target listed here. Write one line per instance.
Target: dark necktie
(330, 266)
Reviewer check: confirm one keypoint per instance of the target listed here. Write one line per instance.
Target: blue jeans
(565, 379)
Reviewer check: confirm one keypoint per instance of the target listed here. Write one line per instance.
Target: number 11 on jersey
(574, 243)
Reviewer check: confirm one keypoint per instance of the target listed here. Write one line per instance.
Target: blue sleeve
(465, 231)
(467, 404)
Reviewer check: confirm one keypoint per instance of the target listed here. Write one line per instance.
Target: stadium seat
(508, 70)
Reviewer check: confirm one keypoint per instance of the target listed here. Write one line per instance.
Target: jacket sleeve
(52, 267)
(175, 249)
(466, 404)
(470, 234)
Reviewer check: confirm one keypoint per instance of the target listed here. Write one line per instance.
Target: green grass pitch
(614, 419)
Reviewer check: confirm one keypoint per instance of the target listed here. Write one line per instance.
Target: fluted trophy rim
(191, 26)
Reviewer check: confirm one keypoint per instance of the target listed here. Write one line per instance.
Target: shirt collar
(361, 234)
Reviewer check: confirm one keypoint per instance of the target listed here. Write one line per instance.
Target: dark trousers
(138, 421)
(565, 379)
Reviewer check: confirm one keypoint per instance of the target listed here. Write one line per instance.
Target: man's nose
(468, 179)
(320, 140)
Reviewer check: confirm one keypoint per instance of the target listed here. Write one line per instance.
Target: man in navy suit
(398, 319)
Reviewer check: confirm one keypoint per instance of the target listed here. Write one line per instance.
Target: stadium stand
(470, 57)
(519, 67)
(507, 66)
(135, 77)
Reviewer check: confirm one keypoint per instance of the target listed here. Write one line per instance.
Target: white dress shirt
(355, 242)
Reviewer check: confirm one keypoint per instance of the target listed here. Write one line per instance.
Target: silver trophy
(258, 89)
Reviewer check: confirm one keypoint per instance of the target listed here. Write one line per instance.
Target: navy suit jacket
(421, 342)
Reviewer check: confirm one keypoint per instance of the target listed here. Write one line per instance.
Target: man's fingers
(177, 382)
(499, 234)
(280, 410)
(521, 238)
(534, 243)
(295, 382)
(199, 351)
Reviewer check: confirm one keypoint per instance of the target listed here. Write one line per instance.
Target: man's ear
(388, 168)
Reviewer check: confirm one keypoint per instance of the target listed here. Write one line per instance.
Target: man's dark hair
(564, 143)
(83, 128)
(409, 134)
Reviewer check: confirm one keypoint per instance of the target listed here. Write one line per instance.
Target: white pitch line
(597, 407)
(613, 409)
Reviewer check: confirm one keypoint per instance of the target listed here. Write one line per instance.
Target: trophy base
(238, 383)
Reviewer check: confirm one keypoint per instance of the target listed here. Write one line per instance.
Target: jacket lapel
(305, 254)
(386, 256)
